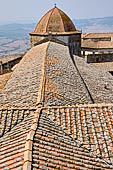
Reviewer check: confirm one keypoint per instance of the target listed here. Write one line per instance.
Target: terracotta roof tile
(9, 118)
(55, 20)
(63, 84)
(47, 82)
(12, 145)
(54, 149)
(96, 75)
(97, 45)
(22, 88)
(97, 35)
(10, 58)
(102, 43)
(92, 126)
(3, 80)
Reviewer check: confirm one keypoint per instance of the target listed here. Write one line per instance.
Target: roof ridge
(40, 100)
(61, 17)
(29, 140)
(80, 106)
(42, 18)
(49, 18)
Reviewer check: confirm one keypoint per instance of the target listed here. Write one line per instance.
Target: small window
(97, 60)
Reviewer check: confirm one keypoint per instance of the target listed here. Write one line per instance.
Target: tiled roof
(9, 118)
(54, 149)
(52, 135)
(45, 75)
(65, 137)
(12, 145)
(97, 45)
(63, 85)
(91, 125)
(3, 80)
(55, 20)
(22, 88)
(96, 76)
(97, 35)
(9, 58)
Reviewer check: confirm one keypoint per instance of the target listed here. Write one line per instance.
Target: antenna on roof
(55, 5)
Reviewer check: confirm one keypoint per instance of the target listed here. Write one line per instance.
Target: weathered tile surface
(67, 137)
(3, 80)
(12, 145)
(54, 149)
(96, 76)
(22, 88)
(11, 117)
(63, 84)
(92, 126)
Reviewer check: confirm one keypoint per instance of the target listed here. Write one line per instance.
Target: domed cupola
(55, 21)
(56, 24)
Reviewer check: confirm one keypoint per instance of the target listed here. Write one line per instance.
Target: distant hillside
(16, 31)
(95, 24)
(14, 38)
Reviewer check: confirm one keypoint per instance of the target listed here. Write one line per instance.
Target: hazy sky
(32, 10)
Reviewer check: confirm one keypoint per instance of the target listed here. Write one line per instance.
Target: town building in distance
(97, 47)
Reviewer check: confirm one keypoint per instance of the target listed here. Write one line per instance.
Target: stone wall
(34, 39)
(94, 58)
(73, 41)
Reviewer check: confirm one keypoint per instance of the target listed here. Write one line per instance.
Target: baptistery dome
(55, 20)
(57, 25)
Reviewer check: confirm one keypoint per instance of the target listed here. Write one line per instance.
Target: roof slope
(9, 118)
(55, 20)
(97, 35)
(63, 85)
(60, 137)
(46, 74)
(53, 149)
(22, 88)
(97, 45)
(12, 145)
(91, 125)
(96, 76)
(3, 80)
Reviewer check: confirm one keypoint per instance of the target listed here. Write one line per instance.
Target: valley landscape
(14, 38)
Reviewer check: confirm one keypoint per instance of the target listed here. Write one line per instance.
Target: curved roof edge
(56, 33)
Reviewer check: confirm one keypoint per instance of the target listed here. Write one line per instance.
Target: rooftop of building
(9, 58)
(89, 44)
(96, 76)
(45, 73)
(66, 137)
(55, 21)
(97, 35)
(47, 119)
(97, 41)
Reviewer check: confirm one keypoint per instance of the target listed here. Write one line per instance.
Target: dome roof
(55, 20)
